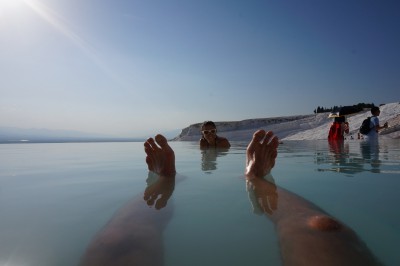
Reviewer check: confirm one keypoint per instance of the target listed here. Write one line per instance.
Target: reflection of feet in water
(158, 191)
(261, 154)
(262, 194)
(160, 158)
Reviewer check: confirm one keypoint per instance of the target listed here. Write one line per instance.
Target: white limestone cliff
(301, 127)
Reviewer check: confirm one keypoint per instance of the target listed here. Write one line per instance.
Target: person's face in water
(209, 133)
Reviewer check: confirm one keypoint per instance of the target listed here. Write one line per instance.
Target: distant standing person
(338, 128)
(209, 137)
(374, 125)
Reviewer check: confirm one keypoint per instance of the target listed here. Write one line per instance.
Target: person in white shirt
(374, 125)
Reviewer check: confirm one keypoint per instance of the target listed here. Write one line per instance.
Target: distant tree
(335, 108)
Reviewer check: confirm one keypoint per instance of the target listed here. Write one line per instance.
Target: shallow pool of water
(54, 198)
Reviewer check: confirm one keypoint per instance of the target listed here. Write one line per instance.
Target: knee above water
(324, 223)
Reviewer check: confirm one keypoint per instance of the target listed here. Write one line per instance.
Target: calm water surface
(55, 197)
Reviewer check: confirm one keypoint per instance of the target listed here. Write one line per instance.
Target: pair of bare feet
(260, 159)
(260, 155)
(308, 235)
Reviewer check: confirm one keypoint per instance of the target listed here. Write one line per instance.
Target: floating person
(209, 137)
(308, 236)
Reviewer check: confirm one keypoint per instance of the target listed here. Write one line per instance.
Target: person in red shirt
(338, 128)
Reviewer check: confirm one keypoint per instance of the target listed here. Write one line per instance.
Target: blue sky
(136, 68)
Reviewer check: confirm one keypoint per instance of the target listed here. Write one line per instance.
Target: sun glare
(10, 7)
(6, 5)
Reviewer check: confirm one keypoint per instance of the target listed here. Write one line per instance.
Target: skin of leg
(307, 235)
(133, 236)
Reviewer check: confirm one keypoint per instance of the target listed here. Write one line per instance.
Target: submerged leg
(133, 236)
(307, 235)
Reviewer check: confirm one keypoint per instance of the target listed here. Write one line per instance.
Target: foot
(261, 154)
(160, 158)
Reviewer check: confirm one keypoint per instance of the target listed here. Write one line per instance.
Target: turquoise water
(55, 197)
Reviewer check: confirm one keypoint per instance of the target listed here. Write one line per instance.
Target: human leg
(307, 234)
(133, 236)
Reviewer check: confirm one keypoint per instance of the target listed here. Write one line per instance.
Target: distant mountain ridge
(17, 135)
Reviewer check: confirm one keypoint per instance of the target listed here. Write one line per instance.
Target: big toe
(259, 135)
(161, 140)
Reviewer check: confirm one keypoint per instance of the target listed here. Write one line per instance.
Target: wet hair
(208, 123)
(374, 109)
(340, 119)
